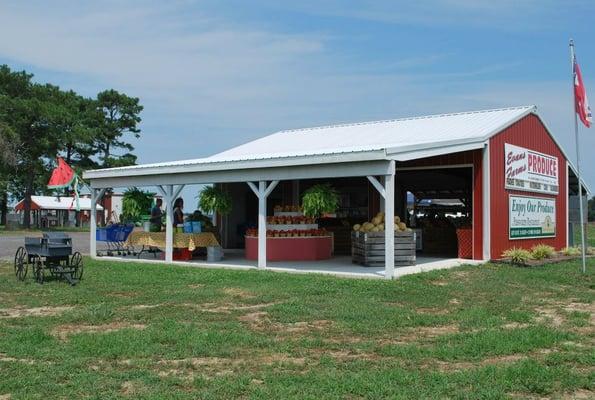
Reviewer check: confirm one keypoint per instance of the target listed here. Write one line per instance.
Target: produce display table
(307, 248)
(188, 241)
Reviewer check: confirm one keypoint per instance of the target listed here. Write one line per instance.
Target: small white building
(49, 211)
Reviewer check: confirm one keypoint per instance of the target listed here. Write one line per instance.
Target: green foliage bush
(571, 251)
(136, 203)
(541, 251)
(518, 255)
(320, 199)
(212, 199)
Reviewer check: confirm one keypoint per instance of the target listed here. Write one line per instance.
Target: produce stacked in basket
(377, 225)
(289, 220)
(288, 209)
(289, 233)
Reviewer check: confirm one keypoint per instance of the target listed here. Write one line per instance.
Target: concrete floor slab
(337, 266)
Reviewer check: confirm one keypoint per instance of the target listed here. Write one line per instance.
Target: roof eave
(369, 155)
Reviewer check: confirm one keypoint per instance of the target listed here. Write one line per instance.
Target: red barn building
(498, 176)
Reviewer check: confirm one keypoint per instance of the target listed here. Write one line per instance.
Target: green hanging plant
(136, 203)
(320, 199)
(212, 199)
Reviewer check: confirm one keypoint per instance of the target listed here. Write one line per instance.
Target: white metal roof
(61, 203)
(394, 136)
(400, 139)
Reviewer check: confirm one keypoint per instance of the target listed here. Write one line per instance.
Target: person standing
(178, 212)
(156, 217)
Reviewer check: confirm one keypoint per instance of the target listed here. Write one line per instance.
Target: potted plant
(212, 199)
(136, 203)
(320, 199)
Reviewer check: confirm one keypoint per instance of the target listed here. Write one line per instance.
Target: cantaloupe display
(377, 225)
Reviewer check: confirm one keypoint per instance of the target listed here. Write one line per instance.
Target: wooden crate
(368, 248)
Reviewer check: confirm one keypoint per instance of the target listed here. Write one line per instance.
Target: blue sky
(214, 74)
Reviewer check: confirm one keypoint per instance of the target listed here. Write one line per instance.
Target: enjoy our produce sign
(529, 170)
(531, 217)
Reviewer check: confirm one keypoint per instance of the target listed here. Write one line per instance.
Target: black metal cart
(51, 253)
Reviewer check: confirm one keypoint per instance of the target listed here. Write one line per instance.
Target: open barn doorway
(436, 202)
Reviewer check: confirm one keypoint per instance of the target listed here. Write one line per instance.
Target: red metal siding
(477, 205)
(530, 133)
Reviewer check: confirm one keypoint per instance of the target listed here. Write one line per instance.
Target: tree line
(39, 121)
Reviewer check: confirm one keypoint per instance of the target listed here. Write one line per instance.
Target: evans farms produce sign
(529, 170)
(531, 217)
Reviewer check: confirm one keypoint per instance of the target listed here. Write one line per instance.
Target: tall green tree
(40, 121)
(119, 118)
(8, 148)
(36, 114)
(76, 119)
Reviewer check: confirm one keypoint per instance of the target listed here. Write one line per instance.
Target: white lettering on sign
(531, 217)
(530, 170)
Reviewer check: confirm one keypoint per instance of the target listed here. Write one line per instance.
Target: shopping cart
(115, 237)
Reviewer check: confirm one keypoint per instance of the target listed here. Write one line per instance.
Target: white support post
(389, 224)
(387, 202)
(254, 188)
(96, 194)
(378, 186)
(262, 192)
(382, 182)
(177, 192)
(485, 198)
(93, 224)
(262, 225)
(169, 221)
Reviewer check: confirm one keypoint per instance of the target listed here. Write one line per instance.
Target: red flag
(62, 176)
(580, 97)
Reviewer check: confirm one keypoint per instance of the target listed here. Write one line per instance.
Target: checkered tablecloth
(188, 241)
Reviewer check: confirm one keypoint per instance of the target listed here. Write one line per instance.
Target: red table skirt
(292, 248)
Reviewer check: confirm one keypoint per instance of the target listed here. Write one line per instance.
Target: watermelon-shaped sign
(62, 176)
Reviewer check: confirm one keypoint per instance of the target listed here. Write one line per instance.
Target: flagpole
(578, 158)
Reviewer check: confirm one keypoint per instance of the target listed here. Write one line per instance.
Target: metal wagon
(115, 237)
(51, 254)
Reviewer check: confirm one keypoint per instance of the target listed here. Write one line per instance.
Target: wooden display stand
(368, 248)
(307, 248)
(284, 247)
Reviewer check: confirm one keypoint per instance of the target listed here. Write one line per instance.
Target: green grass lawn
(590, 238)
(148, 331)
